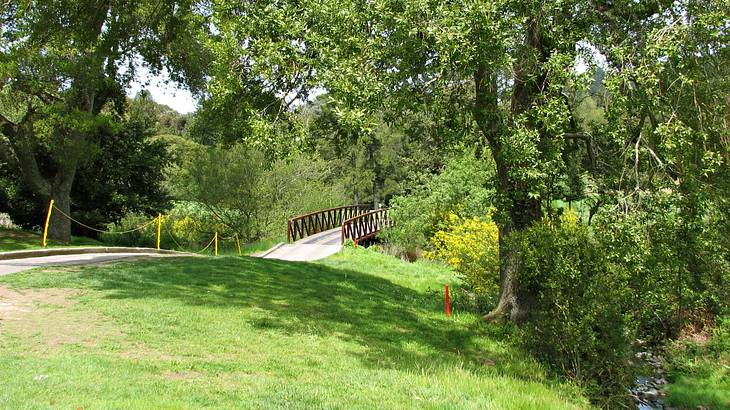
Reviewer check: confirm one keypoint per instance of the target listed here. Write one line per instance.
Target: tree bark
(522, 210)
(59, 227)
(59, 189)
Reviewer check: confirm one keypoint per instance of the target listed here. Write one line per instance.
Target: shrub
(460, 188)
(119, 236)
(471, 247)
(579, 324)
(677, 261)
(187, 227)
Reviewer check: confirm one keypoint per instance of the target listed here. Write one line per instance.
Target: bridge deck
(311, 248)
(331, 237)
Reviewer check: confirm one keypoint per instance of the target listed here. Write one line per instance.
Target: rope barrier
(157, 220)
(167, 229)
(99, 230)
(169, 233)
(206, 246)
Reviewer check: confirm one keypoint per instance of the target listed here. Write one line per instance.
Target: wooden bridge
(319, 234)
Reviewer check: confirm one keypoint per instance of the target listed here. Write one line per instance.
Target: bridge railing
(305, 225)
(365, 226)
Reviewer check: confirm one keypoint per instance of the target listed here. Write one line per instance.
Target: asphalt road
(19, 265)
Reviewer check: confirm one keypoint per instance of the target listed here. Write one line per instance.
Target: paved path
(311, 248)
(18, 265)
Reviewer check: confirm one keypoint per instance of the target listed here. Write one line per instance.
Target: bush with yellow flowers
(471, 247)
(185, 227)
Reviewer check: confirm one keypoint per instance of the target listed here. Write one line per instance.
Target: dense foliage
(652, 246)
(132, 166)
(463, 187)
(580, 323)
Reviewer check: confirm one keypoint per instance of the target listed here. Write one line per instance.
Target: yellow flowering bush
(185, 227)
(471, 247)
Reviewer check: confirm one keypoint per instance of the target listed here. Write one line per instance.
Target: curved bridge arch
(355, 222)
(313, 223)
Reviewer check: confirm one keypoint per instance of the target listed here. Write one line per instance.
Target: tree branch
(24, 151)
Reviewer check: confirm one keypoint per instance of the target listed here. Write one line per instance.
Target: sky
(169, 94)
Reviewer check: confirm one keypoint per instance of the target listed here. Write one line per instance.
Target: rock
(651, 394)
(647, 390)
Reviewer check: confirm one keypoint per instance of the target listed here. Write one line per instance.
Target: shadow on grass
(385, 319)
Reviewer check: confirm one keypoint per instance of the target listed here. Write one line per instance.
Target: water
(647, 389)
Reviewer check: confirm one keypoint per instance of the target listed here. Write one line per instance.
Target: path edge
(38, 253)
(271, 250)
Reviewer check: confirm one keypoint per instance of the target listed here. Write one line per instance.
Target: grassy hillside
(358, 330)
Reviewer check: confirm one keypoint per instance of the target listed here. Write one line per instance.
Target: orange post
(448, 303)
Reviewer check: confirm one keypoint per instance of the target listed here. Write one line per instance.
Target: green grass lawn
(16, 240)
(708, 385)
(358, 330)
(228, 247)
(700, 372)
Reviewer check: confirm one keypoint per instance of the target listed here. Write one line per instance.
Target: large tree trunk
(22, 144)
(514, 302)
(59, 227)
(520, 209)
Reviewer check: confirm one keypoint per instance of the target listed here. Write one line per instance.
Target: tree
(248, 194)
(510, 64)
(668, 86)
(130, 161)
(372, 157)
(64, 66)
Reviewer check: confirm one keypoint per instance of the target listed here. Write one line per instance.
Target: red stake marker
(448, 303)
(355, 243)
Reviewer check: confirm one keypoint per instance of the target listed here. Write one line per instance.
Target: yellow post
(238, 245)
(48, 219)
(159, 225)
(215, 244)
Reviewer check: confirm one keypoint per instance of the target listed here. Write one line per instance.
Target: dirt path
(46, 318)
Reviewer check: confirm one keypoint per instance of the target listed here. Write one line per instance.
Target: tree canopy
(508, 69)
(64, 67)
